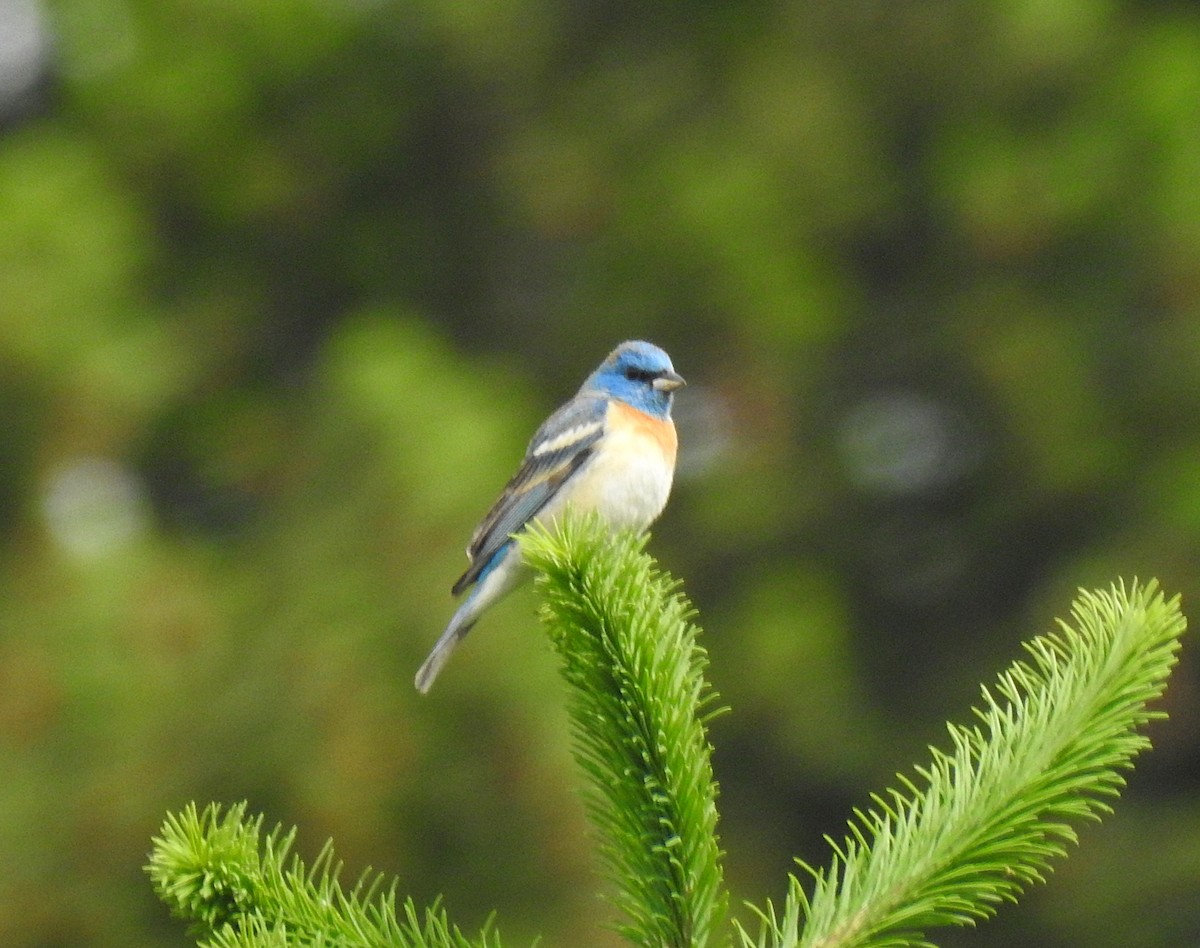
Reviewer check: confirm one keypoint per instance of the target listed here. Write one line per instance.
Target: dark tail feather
(459, 626)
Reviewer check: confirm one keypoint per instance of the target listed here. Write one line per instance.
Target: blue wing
(560, 447)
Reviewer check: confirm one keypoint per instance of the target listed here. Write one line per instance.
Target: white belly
(627, 481)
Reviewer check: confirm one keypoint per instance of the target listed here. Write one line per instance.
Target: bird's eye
(639, 375)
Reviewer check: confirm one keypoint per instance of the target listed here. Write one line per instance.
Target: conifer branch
(638, 704)
(1050, 743)
(1052, 740)
(238, 890)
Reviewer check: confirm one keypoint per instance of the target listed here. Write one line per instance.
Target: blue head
(640, 374)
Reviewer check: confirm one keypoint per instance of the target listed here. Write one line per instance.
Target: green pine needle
(638, 704)
(1051, 742)
(241, 891)
(975, 826)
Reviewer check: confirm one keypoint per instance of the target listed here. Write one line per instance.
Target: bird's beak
(668, 382)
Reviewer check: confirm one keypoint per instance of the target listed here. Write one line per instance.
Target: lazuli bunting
(611, 449)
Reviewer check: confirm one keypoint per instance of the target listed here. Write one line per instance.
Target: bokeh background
(285, 286)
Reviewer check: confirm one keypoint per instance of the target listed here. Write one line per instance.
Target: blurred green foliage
(285, 287)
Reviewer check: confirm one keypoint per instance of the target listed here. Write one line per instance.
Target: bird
(609, 449)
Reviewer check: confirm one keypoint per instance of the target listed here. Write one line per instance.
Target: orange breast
(630, 420)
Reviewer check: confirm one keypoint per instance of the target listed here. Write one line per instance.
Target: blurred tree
(285, 287)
